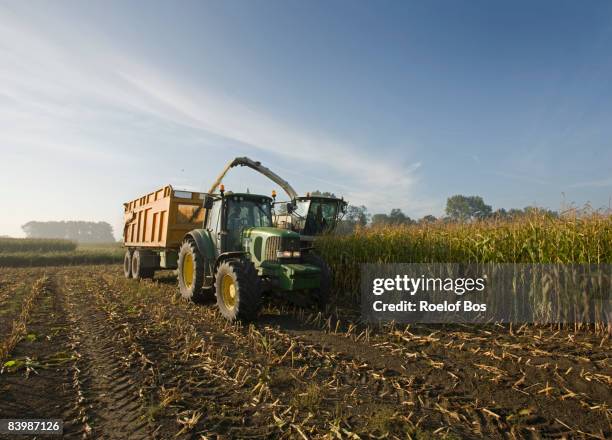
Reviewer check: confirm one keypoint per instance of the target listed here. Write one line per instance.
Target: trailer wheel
(320, 295)
(238, 290)
(127, 264)
(190, 270)
(139, 270)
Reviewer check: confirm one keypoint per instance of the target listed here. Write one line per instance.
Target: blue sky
(390, 103)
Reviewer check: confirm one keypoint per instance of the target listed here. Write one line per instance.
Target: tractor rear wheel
(238, 290)
(190, 270)
(127, 264)
(320, 295)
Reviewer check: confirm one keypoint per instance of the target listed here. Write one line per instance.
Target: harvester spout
(257, 166)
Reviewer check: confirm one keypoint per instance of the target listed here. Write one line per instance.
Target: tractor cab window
(316, 216)
(214, 216)
(245, 213)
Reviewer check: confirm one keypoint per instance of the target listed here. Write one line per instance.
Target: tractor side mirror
(208, 202)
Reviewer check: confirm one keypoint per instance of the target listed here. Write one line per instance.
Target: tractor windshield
(245, 213)
(316, 216)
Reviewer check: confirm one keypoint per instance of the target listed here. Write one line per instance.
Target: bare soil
(117, 358)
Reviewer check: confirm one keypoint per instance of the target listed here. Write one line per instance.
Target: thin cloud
(229, 118)
(55, 97)
(601, 183)
(521, 177)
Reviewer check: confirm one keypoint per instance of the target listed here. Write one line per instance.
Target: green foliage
(324, 194)
(356, 216)
(20, 252)
(428, 219)
(464, 208)
(88, 255)
(395, 217)
(35, 245)
(527, 211)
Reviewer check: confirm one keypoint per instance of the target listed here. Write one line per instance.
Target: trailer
(154, 227)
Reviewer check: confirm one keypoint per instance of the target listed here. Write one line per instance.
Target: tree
(80, 231)
(358, 215)
(316, 192)
(355, 216)
(515, 213)
(428, 219)
(535, 210)
(466, 208)
(395, 217)
(380, 220)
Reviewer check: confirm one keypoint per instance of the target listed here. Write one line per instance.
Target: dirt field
(117, 358)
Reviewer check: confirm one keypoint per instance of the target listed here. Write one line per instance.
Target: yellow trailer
(154, 227)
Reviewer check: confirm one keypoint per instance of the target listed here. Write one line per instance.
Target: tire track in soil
(211, 370)
(242, 357)
(444, 400)
(109, 393)
(354, 386)
(187, 371)
(44, 391)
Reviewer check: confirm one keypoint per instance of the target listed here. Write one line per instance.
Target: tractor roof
(320, 197)
(247, 195)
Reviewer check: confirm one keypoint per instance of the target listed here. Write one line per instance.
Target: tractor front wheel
(190, 270)
(238, 290)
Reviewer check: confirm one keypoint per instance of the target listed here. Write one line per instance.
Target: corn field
(36, 245)
(535, 239)
(538, 239)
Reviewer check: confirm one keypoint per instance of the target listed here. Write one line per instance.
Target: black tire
(127, 264)
(320, 296)
(190, 285)
(247, 290)
(138, 269)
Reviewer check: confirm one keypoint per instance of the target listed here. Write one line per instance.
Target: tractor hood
(266, 244)
(267, 232)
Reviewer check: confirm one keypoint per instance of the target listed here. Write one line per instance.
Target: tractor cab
(312, 215)
(229, 215)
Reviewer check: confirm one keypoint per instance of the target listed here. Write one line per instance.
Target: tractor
(240, 255)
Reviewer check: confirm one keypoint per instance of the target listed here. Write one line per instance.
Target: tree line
(459, 208)
(79, 231)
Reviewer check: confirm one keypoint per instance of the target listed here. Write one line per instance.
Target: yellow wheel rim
(228, 291)
(187, 270)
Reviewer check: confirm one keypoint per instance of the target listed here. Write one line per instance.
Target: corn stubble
(141, 360)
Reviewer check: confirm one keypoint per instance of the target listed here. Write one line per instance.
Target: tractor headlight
(284, 254)
(297, 254)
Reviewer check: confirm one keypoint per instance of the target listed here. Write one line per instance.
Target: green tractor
(310, 215)
(240, 256)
